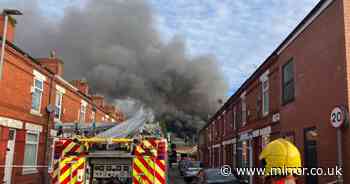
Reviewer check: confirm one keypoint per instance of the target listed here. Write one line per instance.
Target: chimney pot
(82, 85)
(52, 63)
(98, 100)
(52, 54)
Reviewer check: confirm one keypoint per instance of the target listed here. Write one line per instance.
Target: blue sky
(239, 33)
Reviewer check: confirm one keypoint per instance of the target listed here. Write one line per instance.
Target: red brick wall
(320, 84)
(15, 103)
(322, 81)
(71, 107)
(346, 134)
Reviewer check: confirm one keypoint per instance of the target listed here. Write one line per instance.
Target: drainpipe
(49, 110)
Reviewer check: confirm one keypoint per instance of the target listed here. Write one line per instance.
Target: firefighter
(282, 162)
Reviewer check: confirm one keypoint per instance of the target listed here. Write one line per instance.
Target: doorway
(310, 152)
(9, 156)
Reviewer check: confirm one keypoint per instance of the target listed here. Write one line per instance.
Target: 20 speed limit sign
(337, 117)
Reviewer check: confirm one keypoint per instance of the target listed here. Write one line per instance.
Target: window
(265, 93)
(82, 113)
(58, 105)
(31, 151)
(217, 124)
(93, 114)
(288, 82)
(37, 92)
(214, 130)
(223, 122)
(239, 115)
(209, 135)
(234, 118)
(52, 155)
(243, 109)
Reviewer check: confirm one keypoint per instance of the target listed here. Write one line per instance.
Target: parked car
(191, 170)
(214, 176)
(182, 165)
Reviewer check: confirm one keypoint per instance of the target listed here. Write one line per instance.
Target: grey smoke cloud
(114, 44)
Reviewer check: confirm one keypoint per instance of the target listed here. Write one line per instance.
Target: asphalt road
(174, 176)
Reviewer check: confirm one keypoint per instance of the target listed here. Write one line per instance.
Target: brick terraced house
(29, 88)
(290, 95)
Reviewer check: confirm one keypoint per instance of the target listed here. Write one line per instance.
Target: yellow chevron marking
(147, 144)
(140, 150)
(137, 176)
(75, 167)
(160, 171)
(145, 171)
(69, 147)
(68, 171)
(64, 175)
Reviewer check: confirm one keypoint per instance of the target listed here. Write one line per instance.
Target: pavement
(174, 176)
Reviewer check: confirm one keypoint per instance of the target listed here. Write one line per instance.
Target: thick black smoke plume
(115, 46)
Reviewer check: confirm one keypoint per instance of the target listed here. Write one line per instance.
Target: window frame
(209, 134)
(52, 156)
(37, 111)
(234, 118)
(31, 170)
(223, 122)
(265, 88)
(243, 110)
(292, 81)
(239, 121)
(60, 95)
(82, 112)
(93, 116)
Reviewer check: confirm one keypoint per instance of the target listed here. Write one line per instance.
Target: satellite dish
(50, 108)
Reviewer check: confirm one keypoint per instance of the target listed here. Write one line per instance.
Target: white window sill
(27, 171)
(35, 112)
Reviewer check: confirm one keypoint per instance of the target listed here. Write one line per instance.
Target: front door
(9, 156)
(311, 136)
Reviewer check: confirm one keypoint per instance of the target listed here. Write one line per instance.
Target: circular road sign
(337, 117)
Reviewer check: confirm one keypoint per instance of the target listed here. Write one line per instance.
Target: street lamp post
(6, 13)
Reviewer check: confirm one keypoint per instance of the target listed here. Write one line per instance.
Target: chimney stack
(10, 33)
(119, 115)
(82, 86)
(52, 63)
(110, 109)
(98, 100)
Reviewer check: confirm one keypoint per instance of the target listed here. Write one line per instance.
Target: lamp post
(6, 13)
